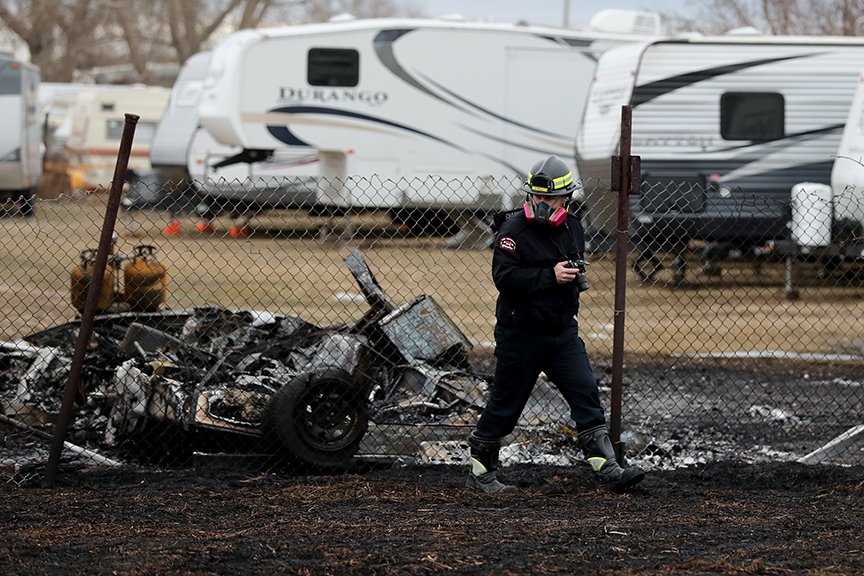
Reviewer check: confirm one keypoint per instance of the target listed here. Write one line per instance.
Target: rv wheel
(28, 202)
(424, 221)
(318, 419)
(646, 265)
(679, 271)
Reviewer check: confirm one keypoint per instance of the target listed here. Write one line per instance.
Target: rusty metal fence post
(625, 178)
(74, 385)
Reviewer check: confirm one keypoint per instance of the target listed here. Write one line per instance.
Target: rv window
(10, 79)
(107, 106)
(143, 130)
(333, 67)
(752, 116)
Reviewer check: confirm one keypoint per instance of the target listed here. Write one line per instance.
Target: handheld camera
(581, 280)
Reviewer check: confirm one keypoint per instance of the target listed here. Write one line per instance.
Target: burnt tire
(318, 419)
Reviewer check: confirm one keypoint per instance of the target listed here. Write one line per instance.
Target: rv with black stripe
(725, 127)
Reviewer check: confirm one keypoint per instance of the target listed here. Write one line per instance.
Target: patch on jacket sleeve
(507, 244)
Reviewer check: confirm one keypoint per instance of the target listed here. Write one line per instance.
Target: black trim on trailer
(492, 114)
(383, 44)
(796, 136)
(356, 115)
(284, 134)
(647, 92)
(568, 41)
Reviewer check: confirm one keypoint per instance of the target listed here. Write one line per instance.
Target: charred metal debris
(165, 383)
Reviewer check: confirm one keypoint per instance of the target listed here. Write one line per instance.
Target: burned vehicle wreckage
(166, 385)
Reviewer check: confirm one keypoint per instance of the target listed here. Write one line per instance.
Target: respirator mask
(543, 212)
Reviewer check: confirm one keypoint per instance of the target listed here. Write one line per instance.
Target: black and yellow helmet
(550, 177)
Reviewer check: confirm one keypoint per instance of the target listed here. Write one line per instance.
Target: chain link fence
(239, 320)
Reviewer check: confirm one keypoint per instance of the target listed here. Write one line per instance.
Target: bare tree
(60, 34)
(323, 10)
(192, 22)
(808, 17)
(65, 36)
(143, 38)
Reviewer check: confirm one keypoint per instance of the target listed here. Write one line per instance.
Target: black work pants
(520, 357)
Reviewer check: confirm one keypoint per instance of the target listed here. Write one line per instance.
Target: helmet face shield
(550, 177)
(541, 184)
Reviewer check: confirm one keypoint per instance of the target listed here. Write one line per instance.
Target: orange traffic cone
(239, 231)
(172, 229)
(204, 227)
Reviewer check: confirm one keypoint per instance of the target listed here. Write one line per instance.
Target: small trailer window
(752, 116)
(10, 78)
(143, 130)
(333, 67)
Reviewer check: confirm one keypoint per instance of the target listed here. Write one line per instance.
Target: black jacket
(525, 254)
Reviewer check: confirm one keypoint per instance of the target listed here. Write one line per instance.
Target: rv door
(545, 91)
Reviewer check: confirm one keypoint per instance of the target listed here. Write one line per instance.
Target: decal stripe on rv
(358, 116)
(383, 44)
(647, 92)
(493, 114)
(834, 128)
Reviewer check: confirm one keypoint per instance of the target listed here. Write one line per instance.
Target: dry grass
(286, 267)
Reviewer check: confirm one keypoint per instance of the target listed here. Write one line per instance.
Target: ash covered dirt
(718, 518)
(723, 495)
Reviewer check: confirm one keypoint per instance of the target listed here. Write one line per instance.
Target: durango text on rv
(288, 94)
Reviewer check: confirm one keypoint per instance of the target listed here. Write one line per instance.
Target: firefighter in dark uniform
(538, 269)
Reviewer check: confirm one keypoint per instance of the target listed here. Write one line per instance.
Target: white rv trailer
(21, 141)
(725, 126)
(98, 119)
(174, 186)
(188, 159)
(55, 101)
(827, 221)
(395, 106)
(169, 148)
(847, 174)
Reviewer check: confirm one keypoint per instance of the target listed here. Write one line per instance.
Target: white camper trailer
(55, 101)
(189, 159)
(827, 221)
(173, 185)
(21, 141)
(169, 148)
(725, 126)
(406, 103)
(847, 174)
(98, 120)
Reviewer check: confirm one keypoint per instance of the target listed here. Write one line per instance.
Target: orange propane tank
(80, 284)
(145, 282)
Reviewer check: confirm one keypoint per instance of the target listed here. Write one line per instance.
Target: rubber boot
(597, 448)
(484, 466)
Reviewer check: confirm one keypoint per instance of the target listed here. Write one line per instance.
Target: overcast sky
(549, 12)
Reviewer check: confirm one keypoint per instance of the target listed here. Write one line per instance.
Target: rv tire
(679, 271)
(646, 266)
(424, 222)
(28, 203)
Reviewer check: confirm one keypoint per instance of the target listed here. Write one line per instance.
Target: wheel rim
(328, 417)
